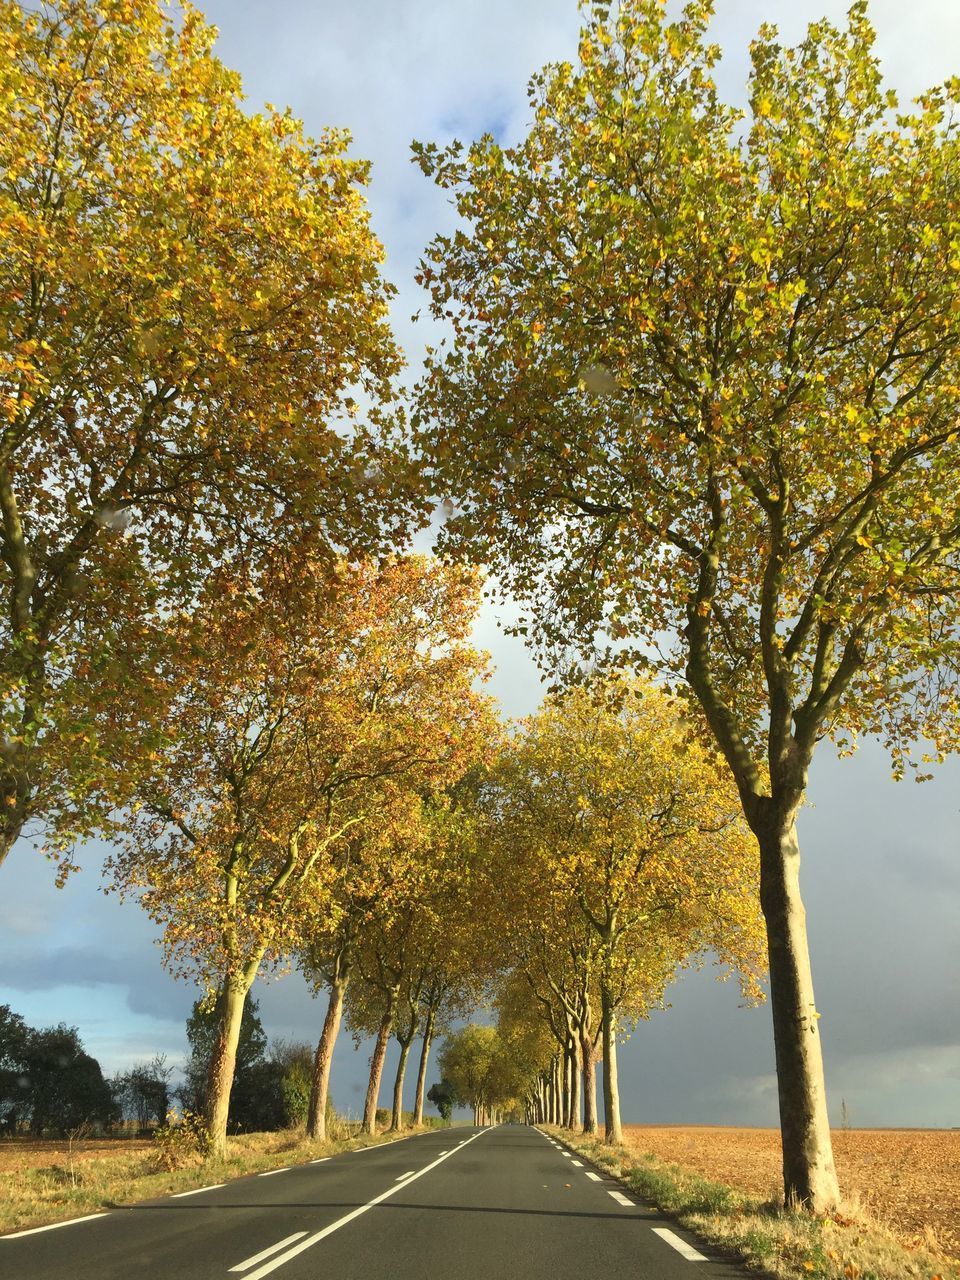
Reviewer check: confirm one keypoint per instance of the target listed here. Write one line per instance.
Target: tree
(614, 822)
(444, 1097)
(294, 1064)
(143, 1092)
(318, 692)
(476, 1065)
(385, 989)
(191, 298)
(203, 1030)
(702, 403)
(372, 871)
(525, 1029)
(49, 1081)
(14, 1084)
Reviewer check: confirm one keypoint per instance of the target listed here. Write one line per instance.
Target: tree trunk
(14, 819)
(396, 1120)
(557, 1092)
(376, 1072)
(566, 1089)
(422, 1072)
(573, 1059)
(223, 1060)
(322, 1062)
(589, 1069)
(613, 1131)
(809, 1176)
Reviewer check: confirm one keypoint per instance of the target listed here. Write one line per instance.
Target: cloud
(880, 874)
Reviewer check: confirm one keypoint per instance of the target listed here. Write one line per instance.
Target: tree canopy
(191, 306)
(700, 406)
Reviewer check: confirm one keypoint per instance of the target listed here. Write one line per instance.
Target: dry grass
(791, 1245)
(907, 1180)
(47, 1181)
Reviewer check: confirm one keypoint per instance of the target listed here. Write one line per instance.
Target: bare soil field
(906, 1179)
(45, 1153)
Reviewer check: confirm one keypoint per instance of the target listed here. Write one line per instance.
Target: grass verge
(36, 1196)
(784, 1243)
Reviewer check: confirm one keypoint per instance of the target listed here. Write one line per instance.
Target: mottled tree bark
(223, 1059)
(422, 1071)
(574, 1058)
(396, 1120)
(589, 1070)
(323, 1059)
(613, 1131)
(809, 1175)
(376, 1071)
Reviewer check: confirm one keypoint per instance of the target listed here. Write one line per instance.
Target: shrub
(180, 1144)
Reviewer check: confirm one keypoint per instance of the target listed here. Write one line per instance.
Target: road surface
(503, 1203)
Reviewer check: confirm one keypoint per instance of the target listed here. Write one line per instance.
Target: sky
(881, 871)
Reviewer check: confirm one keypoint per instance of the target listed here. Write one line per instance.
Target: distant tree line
(51, 1087)
(48, 1083)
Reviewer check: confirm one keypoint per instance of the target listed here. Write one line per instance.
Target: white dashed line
(214, 1186)
(15, 1235)
(265, 1253)
(270, 1172)
(681, 1246)
(594, 1177)
(621, 1199)
(405, 1175)
(578, 1164)
(566, 1155)
(322, 1160)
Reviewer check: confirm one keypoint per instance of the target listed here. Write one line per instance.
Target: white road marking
(577, 1164)
(15, 1235)
(270, 1172)
(322, 1160)
(621, 1199)
(681, 1246)
(265, 1253)
(349, 1217)
(566, 1155)
(594, 1177)
(214, 1186)
(405, 1175)
(390, 1142)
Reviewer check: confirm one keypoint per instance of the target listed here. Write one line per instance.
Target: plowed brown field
(17, 1154)
(908, 1179)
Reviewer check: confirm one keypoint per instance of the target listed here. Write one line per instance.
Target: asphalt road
(505, 1203)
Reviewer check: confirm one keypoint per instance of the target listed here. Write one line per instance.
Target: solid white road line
(621, 1199)
(594, 1177)
(577, 1164)
(15, 1235)
(265, 1253)
(270, 1172)
(681, 1246)
(322, 1160)
(214, 1186)
(349, 1217)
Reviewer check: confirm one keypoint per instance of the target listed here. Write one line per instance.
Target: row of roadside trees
(698, 409)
